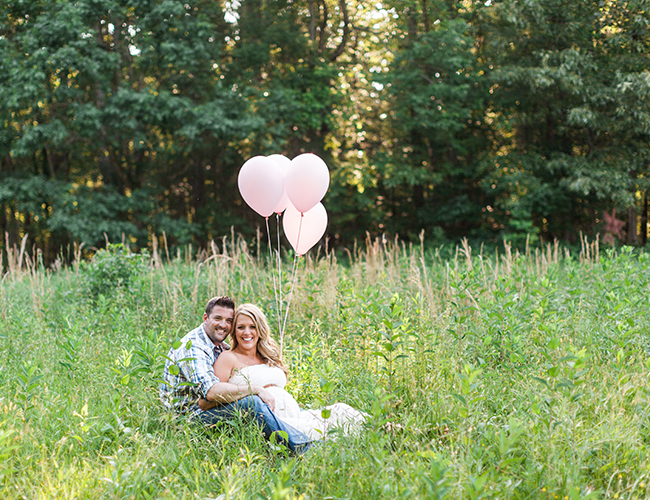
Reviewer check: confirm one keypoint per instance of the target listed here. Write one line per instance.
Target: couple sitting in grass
(207, 379)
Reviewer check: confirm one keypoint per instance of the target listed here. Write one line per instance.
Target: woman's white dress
(309, 422)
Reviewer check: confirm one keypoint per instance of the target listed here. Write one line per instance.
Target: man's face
(218, 324)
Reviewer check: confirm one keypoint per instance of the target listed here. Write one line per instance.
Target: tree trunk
(50, 162)
(322, 34)
(312, 21)
(631, 226)
(3, 224)
(425, 16)
(346, 32)
(644, 220)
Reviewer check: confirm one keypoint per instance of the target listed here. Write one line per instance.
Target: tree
(124, 95)
(428, 171)
(570, 86)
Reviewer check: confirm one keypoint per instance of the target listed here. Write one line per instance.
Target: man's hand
(204, 404)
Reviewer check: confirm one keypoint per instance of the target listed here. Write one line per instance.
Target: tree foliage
(483, 119)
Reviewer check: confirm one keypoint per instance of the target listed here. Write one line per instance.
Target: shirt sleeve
(197, 368)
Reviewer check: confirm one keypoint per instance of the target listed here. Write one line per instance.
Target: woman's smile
(246, 332)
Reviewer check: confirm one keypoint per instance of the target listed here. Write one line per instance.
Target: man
(189, 376)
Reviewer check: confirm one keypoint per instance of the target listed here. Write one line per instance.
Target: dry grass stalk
(15, 257)
(3, 297)
(166, 247)
(197, 282)
(157, 262)
(540, 262)
(589, 252)
(374, 257)
(214, 248)
(507, 258)
(425, 283)
(466, 250)
(76, 251)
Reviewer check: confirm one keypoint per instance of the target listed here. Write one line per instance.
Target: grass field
(509, 375)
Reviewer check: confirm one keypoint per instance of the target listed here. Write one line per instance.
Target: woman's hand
(266, 396)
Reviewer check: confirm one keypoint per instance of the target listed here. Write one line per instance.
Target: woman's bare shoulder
(227, 358)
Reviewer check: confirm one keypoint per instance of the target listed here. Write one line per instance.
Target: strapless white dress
(309, 422)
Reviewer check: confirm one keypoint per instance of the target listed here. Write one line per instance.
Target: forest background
(487, 120)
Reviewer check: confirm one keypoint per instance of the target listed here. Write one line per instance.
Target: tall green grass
(509, 375)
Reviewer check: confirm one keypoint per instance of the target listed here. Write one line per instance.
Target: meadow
(508, 374)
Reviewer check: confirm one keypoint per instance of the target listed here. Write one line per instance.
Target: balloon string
(275, 286)
(293, 284)
(279, 299)
(302, 215)
(286, 313)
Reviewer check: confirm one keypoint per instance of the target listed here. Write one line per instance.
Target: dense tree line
(480, 119)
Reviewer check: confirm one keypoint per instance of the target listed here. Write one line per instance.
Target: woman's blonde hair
(267, 348)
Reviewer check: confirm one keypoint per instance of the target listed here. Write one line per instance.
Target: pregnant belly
(285, 405)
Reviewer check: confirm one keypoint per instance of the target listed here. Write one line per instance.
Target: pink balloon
(307, 181)
(261, 184)
(304, 230)
(284, 163)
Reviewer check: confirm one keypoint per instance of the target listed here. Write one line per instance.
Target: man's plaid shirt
(188, 373)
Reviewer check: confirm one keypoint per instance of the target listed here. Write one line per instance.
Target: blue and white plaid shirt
(183, 386)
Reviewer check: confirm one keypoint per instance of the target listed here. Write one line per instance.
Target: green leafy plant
(469, 394)
(392, 336)
(28, 384)
(281, 485)
(114, 267)
(69, 343)
(7, 450)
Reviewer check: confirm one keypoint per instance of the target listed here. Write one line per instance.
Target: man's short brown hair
(223, 301)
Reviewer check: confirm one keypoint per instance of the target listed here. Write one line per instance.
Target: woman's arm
(225, 392)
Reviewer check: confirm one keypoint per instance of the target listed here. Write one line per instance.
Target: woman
(254, 362)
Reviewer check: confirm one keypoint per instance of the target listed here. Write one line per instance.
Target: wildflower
(543, 489)
(642, 485)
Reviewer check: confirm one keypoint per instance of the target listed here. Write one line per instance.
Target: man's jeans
(254, 407)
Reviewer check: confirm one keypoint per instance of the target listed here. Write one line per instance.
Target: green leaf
(541, 381)
(184, 360)
(459, 398)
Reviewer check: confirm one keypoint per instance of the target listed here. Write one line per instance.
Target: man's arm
(195, 366)
(225, 392)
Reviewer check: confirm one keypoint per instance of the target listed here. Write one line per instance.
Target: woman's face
(246, 333)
